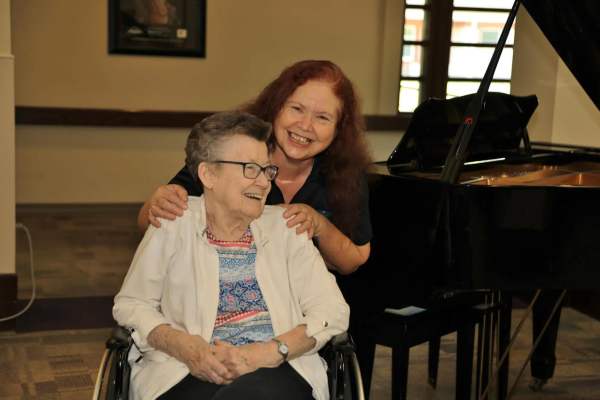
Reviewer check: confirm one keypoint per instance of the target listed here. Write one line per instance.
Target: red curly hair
(346, 160)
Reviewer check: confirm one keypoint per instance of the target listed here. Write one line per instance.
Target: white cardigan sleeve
(137, 305)
(325, 311)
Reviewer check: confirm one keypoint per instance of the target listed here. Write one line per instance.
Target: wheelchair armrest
(118, 370)
(120, 338)
(342, 368)
(341, 343)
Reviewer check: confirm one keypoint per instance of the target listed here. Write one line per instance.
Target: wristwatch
(282, 348)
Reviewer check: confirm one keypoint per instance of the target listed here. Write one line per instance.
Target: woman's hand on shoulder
(203, 362)
(168, 202)
(304, 218)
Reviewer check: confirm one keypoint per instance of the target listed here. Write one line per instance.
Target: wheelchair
(343, 373)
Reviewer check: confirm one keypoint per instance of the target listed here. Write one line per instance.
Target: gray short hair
(204, 141)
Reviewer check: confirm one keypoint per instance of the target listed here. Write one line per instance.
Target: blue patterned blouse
(242, 314)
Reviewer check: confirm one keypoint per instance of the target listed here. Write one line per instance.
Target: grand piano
(520, 214)
(516, 214)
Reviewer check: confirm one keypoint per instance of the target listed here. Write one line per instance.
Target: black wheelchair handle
(120, 338)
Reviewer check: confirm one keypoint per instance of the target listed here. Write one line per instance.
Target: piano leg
(503, 342)
(464, 360)
(543, 359)
(484, 347)
(497, 319)
(479, 367)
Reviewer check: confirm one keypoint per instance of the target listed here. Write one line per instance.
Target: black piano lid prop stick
(458, 151)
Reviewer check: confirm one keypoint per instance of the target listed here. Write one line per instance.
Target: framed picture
(157, 27)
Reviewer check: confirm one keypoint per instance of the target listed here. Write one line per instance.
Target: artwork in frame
(157, 27)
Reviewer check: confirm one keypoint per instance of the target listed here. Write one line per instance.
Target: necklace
(245, 239)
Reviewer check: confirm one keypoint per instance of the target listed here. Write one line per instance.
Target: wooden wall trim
(106, 117)
(161, 119)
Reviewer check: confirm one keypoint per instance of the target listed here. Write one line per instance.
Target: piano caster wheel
(537, 384)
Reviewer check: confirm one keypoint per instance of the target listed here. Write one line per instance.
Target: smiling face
(305, 125)
(228, 191)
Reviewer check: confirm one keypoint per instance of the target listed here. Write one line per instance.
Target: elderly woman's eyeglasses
(252, 170)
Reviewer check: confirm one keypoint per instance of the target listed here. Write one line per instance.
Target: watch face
(283, 348)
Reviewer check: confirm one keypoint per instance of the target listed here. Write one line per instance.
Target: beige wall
(60, 48)
(565, 114)
(61, 53)
(94, 165)
(61, 60)
(108, 165)
(7, 145)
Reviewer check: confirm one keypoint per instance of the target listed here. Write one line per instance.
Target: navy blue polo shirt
(313, 193)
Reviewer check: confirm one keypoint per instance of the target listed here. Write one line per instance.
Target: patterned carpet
(85, 252)
(63, 364)
(50, 365)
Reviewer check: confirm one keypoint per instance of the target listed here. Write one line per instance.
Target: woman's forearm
(193, 351)
(297, 341)
(174, 342)
(339, 251)
(266, 354)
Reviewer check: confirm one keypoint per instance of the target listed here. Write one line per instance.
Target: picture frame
(157, 27)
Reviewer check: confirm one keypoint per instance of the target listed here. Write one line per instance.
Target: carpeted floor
(63, 364)
(577, 374)
(81, 255)
(50, 364)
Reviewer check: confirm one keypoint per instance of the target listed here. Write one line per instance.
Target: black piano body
(521, 216)
(527, 223)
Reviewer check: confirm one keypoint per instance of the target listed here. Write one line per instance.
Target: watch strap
(282, 348)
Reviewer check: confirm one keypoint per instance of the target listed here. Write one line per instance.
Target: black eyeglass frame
(246, 170)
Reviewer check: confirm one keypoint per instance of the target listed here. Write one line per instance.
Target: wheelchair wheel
(102, 385)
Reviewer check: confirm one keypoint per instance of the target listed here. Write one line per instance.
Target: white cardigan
(174, 279)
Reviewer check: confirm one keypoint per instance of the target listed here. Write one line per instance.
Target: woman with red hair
(319, 147)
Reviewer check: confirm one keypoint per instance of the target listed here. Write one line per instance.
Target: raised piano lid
(500, 130)
(573, 28)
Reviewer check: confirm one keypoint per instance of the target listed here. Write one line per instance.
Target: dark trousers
(543, 359)
(278, 383)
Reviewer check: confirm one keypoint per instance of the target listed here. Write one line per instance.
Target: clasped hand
(222, 362)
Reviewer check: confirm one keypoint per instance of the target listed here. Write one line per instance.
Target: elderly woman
(318, 143)
(227, 302)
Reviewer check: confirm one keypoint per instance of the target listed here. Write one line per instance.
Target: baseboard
(57, 208)
(8, 299)
(66, 313)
